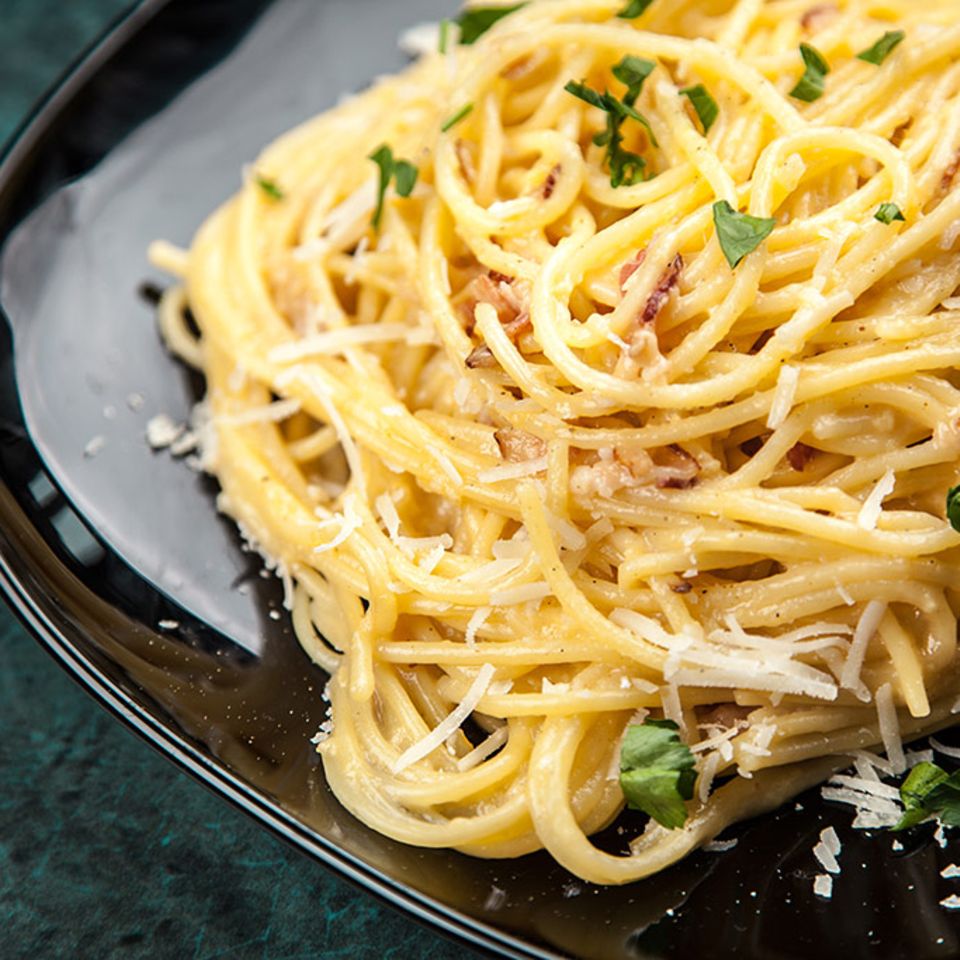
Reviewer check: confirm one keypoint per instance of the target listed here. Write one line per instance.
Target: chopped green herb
(633, 71)
(739, 233)
(704, 104)
(927, 792)
(657, 771)
(625, 167)
(451, 122)
(476, 21)
(810, 86)
(882, 48)
(444, 35)
(405, 177)
(888, 212)
(402, 172)
(953, 508)
(633, 9)
(269, 187)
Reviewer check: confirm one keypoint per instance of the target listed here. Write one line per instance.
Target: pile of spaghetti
(602, 368)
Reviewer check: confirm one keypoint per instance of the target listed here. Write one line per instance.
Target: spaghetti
(640, 400)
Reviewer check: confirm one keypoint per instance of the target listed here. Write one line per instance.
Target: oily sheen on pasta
(536, 462)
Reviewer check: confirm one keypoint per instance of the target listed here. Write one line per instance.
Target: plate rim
(28, 606)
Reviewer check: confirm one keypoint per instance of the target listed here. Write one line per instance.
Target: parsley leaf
(882, 48)
(402, 172)
(452, 121)
(476, 21)
(633, 71)
(739, 233)
(657, 771)
(269, 187)
(953, 507)
(810, 87)
(888, 212)
(633, 9)
(625, 167)
(930, 791)
(704, 104)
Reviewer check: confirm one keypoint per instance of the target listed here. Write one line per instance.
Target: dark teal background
(107, 850)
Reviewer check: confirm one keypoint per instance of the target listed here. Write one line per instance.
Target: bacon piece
(550, 184)
(946, 181)
(817, 16)
(751, 447)
(723, 715)
(666, 283)
(680, 471)
(631, 267)
(517, 446)
(799, 455)
(502, 294)
(683, 586)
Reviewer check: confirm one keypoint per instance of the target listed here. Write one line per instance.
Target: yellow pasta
(536, 462)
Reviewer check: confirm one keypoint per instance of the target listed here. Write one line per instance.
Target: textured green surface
(106, 850)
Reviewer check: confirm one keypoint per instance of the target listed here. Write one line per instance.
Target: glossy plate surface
(146, 137)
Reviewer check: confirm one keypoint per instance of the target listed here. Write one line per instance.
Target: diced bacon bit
(668, 280)
(465, 156)
(550, 184)
(799, 455)
(510, 304)
(631, 267)
(725, 715)
(683, 586)
(751, 447)
(760, 342)
(518, 445)
(817, 16)
(680, 471)
(896, 138)
(946, 181)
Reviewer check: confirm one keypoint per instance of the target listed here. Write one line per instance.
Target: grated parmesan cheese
(521, 594)
(336, 341)
(951, 903)
(162, 431)
(890, 728)
(783, 396)
(476, 621)
(513, 471)
(823, 885)
(867, 626)
(268, 413)
(873, 506)
(950, 872)
(953, 752)
(450, 724)
(483, 750)
(720, 846)
(446, 465)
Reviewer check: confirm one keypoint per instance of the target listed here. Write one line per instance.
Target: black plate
(149, 133)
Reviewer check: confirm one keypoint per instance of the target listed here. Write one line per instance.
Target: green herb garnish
(810, 87)
(633, 9)
(704, 104)
(633, 72)
(953, 508)
(451, 122)
(739, 233)
(402, 172)
(888, 212)
(882, 48)
(657, 771)
(476, 21)
(927, 792)
(444, 35)
(269, 187)
(625, 167)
